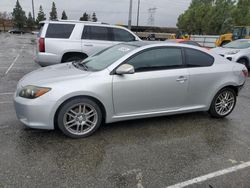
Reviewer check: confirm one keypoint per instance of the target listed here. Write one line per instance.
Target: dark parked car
(16, 31)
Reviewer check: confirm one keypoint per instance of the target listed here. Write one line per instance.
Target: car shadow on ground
(151, 126)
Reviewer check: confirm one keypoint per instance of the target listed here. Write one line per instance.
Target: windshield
(241, 44)
(106, 57)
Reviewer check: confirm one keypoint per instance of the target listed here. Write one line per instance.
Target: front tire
(244, 62)
(223, 103)
(79, 117)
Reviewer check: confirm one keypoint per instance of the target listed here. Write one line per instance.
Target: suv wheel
(244, 62)
(79, 118)
(223, 103)
(75, 57)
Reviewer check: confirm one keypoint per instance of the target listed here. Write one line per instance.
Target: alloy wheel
(224, 103)
(80, 119)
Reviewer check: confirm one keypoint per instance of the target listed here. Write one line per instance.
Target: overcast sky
(109, 11)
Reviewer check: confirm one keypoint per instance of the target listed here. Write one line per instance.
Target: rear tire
(74, 57)
(79, 117)
(223, 103)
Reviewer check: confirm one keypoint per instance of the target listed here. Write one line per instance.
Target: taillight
(245, 73)
(41, 45)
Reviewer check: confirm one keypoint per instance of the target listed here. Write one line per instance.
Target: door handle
(181, 79)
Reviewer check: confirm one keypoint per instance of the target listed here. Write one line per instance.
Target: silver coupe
(128, 81)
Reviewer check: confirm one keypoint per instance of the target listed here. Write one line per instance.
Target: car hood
(51, 74)
(224, 51)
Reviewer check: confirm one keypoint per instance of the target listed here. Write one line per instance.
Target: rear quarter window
(62, 31)
(196, 58)
(122, 35)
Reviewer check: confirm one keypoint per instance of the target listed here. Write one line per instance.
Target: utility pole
(130, 15)
(151, 14)
(138, 13)
(33, 11)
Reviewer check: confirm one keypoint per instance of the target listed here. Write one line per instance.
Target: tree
(18, 16)
(193, 19)
(53, 13)
(30, 21)
(207, 17)
(85, 17)
(3, 19)
(220, 18)
(40, 16)
(94, 18)
(64, 16)
(241, 13)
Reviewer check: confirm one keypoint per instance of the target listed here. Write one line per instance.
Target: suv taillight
(41, 45)
(245, 73)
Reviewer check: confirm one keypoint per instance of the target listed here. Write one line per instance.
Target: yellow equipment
(239, 32)
(180, 35)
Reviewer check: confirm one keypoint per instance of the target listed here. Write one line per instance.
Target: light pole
(130, 14)
(138, 13)
(33, 11)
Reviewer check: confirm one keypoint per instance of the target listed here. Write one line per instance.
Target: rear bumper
(46, 59)
(241, 87)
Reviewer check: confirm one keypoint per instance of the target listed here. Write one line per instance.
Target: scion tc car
(128, 81)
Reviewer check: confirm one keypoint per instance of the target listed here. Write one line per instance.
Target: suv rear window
(122, 35)
(95, 33)
(62, 31)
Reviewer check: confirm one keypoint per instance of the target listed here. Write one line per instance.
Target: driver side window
(157, 59)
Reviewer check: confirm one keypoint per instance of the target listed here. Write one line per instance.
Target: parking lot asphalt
(155, 152)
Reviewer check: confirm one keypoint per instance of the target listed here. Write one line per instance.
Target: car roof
(71, 21)
(163, 43)
(143, 43)
(81, 22)
(243, 40)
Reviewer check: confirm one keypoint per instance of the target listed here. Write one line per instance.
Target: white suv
(64, 41)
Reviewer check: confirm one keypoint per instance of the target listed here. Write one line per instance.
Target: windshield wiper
(85, 67)
(75, 64)
(78, 65)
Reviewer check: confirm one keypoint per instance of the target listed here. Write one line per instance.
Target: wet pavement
(155, 152)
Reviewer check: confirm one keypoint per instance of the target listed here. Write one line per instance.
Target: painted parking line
(6, 102)
(211, 175)
(8, 93)
(13, 63)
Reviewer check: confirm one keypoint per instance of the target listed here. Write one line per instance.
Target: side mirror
(125, 69)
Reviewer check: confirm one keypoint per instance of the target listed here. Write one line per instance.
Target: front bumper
(35, 113)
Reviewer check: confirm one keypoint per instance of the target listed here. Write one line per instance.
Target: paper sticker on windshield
(123, 49)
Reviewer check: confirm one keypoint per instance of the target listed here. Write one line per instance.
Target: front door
(159, 83)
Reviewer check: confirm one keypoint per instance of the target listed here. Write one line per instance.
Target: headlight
(233, 52)
(32, 92)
